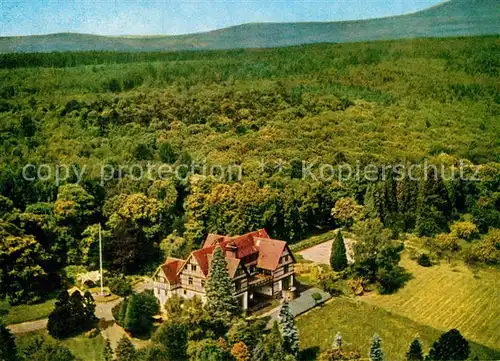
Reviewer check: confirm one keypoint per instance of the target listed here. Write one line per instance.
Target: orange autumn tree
(240, 352)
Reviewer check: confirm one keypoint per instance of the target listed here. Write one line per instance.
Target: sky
(171, 17)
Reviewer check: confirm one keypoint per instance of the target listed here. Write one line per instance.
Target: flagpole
(100, 259)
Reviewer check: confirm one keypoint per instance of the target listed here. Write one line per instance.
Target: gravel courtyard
(321, 252)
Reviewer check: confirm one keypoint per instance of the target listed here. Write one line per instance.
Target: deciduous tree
(451, 345)
(174, 337)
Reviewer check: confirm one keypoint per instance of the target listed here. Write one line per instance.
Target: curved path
(102, 311)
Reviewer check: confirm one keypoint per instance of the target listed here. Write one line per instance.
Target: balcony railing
(260, 280)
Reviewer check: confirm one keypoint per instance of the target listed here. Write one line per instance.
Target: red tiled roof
(212, 239)
(171, 267)
(201, 258)
(270, 251)
(258, 242)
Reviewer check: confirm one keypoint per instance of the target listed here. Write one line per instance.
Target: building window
(237, 285)
(193, 267)
(286, 258)
(185, 292)
(202, 284)
(190, 281)
(287, 268)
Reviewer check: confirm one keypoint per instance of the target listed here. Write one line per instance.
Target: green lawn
(447, 297)
(24, 313)
(358, 321)
(84, 348)
(87, 349)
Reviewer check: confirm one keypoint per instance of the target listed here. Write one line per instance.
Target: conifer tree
(288, 329)
(60, 323)
(451, 345)
(125, 350)
(376, 353)
(338, 258)
(415, 352)
(434, 205)
(220, 289)
(108, 351)
(7, 345)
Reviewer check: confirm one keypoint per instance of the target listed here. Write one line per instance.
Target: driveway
(321, 252)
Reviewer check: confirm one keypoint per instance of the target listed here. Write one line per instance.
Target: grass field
(25, 313)
(87, 349)
(358, 321)
(84, 348)
(447, 297)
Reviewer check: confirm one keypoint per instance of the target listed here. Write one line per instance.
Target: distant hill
(453, 18)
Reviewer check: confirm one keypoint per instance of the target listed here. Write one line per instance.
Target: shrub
(339, 354)
(113, 85)
(424, 260)
(120, 285)
(328, 282)
(316, 297)
(464, 230)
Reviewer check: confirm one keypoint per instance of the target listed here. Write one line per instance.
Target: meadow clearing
(448, 296)
(357, 321)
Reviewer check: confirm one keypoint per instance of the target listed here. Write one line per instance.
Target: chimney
(231, 250)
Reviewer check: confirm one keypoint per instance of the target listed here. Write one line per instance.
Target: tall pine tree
(415, 352)
(220, 289)
(125, 350)
(376, 353)
(434, 205)
(338, 258)
(288, 329)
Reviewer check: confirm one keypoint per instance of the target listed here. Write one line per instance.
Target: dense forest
(77, 130)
